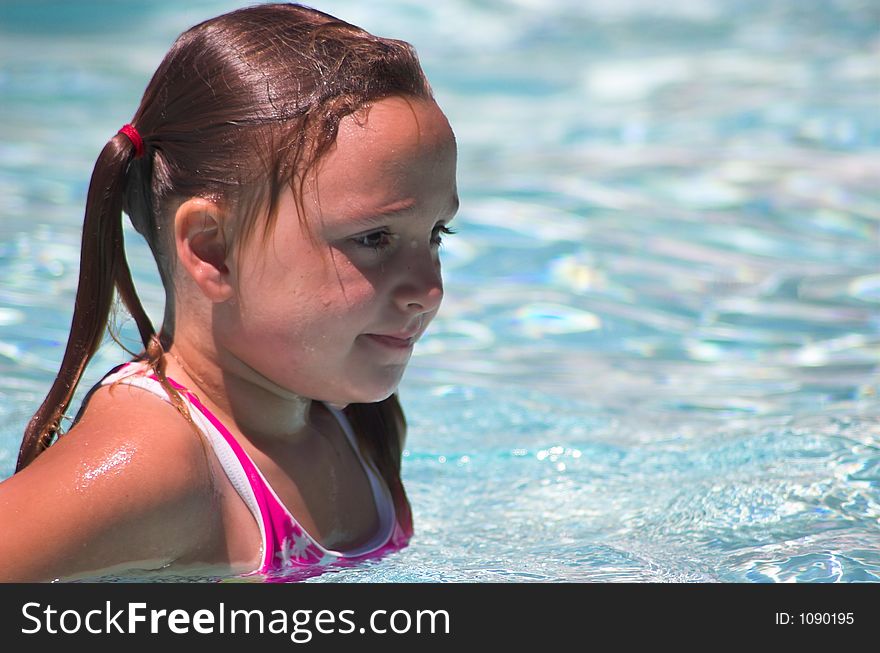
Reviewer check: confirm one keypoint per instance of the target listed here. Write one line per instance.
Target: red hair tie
(135, 139)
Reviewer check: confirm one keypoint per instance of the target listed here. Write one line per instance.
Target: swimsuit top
(285, 544)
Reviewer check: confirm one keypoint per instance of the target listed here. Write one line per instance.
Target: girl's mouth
(391, 341)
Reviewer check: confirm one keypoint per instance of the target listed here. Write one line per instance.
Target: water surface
(658, 355)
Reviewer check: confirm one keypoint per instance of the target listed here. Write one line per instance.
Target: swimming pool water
(657, 358)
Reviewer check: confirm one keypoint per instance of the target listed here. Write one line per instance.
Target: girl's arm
(129, 487)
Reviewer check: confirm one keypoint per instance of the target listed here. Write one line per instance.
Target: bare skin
(264, 338)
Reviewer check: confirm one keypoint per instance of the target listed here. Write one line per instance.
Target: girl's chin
(365, 399)
(367, 394)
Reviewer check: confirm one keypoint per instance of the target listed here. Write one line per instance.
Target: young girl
(293, 177)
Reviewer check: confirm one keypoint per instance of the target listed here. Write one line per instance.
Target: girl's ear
(202, 248)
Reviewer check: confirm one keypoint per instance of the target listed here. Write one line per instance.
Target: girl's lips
(391, 341)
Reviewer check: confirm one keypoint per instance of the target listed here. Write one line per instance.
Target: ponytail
(102, 266)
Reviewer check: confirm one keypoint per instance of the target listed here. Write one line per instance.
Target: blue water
(658, 357)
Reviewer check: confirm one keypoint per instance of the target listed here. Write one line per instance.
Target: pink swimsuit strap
(285, 543)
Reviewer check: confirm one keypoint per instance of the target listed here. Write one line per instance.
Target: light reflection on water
(658, 355)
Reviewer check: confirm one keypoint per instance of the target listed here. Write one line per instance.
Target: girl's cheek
(360, 298)
(356, 288)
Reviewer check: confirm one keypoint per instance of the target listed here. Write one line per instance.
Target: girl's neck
(260, 410)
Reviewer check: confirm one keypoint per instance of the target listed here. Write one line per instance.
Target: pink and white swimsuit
(285, 544)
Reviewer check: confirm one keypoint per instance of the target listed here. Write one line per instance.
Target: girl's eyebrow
(380, 214)
(391, 211)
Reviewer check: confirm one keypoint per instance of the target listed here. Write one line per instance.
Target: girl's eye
(375, 240)
(439, 231)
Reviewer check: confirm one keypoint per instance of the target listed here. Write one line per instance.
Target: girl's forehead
(394, 128)
(399, 151)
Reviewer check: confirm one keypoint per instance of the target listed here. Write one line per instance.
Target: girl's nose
(420, 286)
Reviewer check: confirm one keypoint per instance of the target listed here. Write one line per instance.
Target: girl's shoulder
(123, 416)
(130, 484)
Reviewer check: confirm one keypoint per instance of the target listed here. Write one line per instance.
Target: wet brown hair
(239, 109)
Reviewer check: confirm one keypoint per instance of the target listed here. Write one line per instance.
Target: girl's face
(331, 309)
